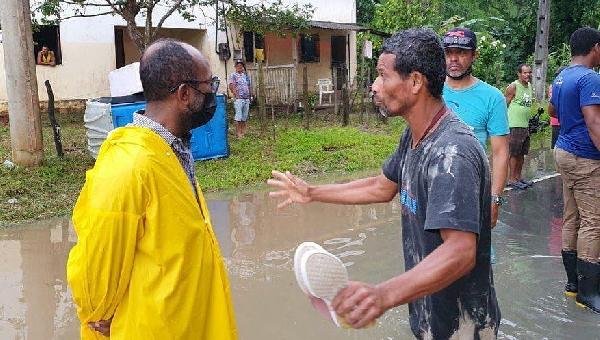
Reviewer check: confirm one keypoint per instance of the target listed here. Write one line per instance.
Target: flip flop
(323, 275)
(525, 182)
(301, 250)
(320, 275)
(517, 185)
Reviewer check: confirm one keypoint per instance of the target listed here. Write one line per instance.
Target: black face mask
(204, 114)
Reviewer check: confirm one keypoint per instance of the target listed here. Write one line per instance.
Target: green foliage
(561, 56)
(365, 9)
(490, 62)
(271, 17)
(394, 15)
(513, 23)
(312, 98)
(569, 15)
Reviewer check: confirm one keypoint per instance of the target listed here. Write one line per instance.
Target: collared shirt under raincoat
(146, 253)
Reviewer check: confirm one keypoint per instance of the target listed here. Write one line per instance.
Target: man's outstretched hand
(290, 188)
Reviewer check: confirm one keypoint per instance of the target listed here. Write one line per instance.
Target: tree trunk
(135, 35)
(129, 12)
(148, 28)
(21, 84)
(540, 62)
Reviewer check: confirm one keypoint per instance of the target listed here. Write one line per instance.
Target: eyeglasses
(214, 83)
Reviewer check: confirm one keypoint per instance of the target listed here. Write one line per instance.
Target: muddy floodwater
(258, 242)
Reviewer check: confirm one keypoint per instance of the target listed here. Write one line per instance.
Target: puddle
(258, 242)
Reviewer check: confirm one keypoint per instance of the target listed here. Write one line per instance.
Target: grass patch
(327, 148)
(51, 189)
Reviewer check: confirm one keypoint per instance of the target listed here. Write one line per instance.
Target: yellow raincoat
(146, 253)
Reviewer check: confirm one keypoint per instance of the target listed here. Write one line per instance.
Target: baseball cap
(460, 38)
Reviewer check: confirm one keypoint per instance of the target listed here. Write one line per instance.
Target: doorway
(338, 59)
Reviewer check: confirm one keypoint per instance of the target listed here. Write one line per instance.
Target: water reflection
(35, 302)
(258, 242)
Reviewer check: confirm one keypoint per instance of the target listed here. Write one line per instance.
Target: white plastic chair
(325, 88)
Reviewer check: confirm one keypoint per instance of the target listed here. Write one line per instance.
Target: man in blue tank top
(576, 103)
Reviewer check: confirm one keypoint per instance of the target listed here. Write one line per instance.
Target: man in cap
(481, 106)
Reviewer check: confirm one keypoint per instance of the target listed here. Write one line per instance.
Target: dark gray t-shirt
(444, 183)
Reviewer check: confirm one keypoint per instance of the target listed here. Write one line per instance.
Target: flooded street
(258, 243)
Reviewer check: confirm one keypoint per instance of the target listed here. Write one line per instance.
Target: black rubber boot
(569, 258)
(588, 293)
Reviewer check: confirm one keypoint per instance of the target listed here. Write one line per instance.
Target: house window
(309, 48)
(252, 41)
(49, 36)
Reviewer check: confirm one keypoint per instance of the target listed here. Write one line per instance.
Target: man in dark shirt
(441, 176)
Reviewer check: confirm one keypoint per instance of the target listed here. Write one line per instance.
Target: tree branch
(114, 7)
(86, 15)
(86, 4)
(168, 14)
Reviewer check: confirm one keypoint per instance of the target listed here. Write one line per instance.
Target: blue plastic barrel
(122, 114)
(210, 140)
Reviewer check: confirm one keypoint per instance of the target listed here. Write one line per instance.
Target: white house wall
(342, 11)
(87, 57)
(88, 49)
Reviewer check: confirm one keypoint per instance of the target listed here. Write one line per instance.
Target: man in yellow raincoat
(147, 263)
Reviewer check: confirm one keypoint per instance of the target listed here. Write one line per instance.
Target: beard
(386, 112)
(463, 75)
(383, 111)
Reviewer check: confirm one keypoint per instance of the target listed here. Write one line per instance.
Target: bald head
(167, 63)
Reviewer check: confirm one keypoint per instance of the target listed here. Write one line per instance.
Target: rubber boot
(569, 258)
(588, 292)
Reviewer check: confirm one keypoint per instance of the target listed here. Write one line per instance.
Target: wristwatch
(498, 200)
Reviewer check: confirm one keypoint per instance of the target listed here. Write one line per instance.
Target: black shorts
(555, 130)
(518, 141)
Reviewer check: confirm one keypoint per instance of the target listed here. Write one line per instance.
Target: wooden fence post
(53, 121)
(306, 101)
(345, 98)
